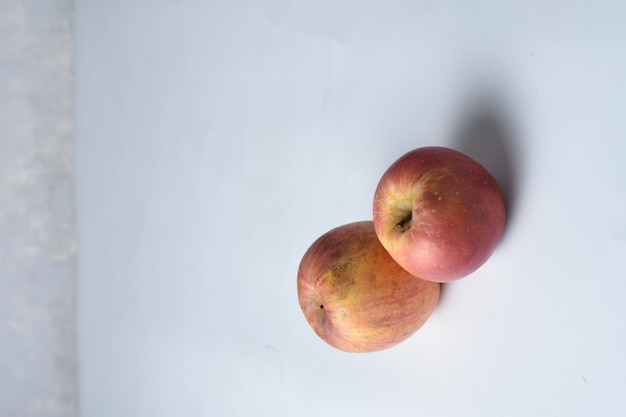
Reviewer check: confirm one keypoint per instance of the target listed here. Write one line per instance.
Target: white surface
(37, 242)
(217, 140)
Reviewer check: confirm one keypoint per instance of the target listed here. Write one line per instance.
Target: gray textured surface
(37, 245)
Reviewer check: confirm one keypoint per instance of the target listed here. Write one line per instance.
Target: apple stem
(405, 223)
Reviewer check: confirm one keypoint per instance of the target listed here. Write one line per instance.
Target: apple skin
(355, 296)
(438, 213)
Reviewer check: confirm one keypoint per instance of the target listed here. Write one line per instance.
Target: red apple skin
(356, 297)
(438, 213)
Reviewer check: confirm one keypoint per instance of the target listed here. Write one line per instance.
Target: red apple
(355, 296)
(438, 213)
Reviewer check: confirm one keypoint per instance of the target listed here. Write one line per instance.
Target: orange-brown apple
(438, 213)
(355, 296)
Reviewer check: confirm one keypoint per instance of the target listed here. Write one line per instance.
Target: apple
(355, 296)
(438, 213)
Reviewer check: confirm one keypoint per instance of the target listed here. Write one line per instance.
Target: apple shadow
(443, 293)
(486, 133)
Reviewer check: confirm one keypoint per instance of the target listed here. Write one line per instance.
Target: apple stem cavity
(404, 224)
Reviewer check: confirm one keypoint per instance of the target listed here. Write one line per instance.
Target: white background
(216, 140)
